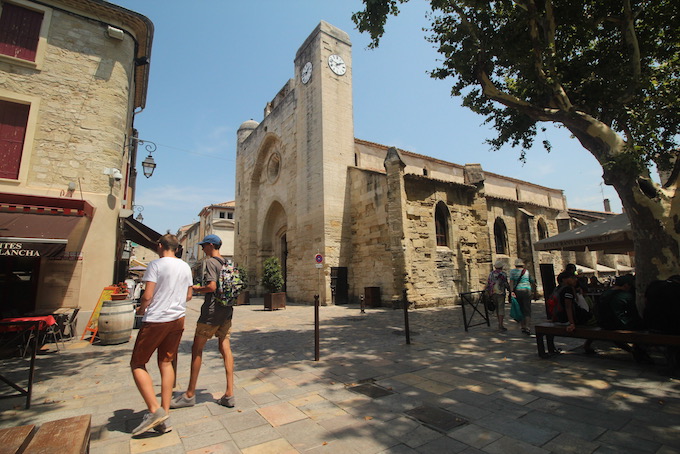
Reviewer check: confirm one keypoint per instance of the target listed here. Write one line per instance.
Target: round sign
(318, 258)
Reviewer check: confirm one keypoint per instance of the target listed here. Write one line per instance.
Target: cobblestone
(512, 401)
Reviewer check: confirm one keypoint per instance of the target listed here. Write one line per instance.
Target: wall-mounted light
(148, 165)
(139, 209)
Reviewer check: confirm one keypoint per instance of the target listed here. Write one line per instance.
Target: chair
(71, 324)
(55, 332)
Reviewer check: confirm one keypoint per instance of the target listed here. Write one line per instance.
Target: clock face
(306, 72)
(337, 64)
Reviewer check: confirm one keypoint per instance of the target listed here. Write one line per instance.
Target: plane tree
(607, 70)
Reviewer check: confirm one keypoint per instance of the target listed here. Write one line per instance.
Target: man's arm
(211, 287)
(146, 297)
(190, 292)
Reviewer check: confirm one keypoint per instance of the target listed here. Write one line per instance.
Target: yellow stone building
(72, 75)
(382, 220)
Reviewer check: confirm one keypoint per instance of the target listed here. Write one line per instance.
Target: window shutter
(13, 121)
(19, 31)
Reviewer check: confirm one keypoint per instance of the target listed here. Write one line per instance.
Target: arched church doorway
(274, 240)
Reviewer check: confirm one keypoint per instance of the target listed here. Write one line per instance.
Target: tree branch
(633, 48)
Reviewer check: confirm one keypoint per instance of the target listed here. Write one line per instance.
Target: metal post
(363, 304)
(406, 327)
(316, 327)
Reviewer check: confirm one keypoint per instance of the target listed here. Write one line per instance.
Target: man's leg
(167, 352)
(196, 361)
(145, 387)
(225, 350)
(167, 383)
(145, 344)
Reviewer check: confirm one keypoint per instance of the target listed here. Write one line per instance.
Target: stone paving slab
(286, 402)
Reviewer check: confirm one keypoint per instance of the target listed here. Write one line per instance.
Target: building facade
(378, 217)
(72, 75)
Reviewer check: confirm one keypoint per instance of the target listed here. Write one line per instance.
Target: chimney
(607, 206)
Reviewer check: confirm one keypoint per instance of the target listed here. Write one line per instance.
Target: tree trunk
(654, 212)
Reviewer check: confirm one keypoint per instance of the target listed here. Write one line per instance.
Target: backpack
(553, 308)
(229, 284)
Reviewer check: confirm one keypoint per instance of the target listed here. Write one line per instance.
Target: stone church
(382, 220)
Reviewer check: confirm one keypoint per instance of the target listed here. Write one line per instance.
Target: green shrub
(272, 276)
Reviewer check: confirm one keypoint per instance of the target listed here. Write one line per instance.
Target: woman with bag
(521, 284)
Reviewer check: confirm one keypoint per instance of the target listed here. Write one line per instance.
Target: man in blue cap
(215, 320)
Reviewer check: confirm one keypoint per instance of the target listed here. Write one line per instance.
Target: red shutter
(19, 31)
(13, 121)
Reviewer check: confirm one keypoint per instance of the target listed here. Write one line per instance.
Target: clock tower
(324, 142)
(292, 171)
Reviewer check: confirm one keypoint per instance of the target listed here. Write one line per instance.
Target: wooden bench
(546, 332)
(66, 436)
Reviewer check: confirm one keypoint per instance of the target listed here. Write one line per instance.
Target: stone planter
(243, 298)
(273, 301)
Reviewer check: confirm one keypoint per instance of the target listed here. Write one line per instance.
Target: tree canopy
(607, 70)
(522, 62)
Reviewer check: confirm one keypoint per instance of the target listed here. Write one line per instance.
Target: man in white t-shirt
(163, 304)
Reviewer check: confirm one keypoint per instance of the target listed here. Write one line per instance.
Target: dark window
(13, 121)
(230, 215)
(19, 31)
(500, 234)
(542, 229)
(441, 224)
(425, 172)
(221, 214)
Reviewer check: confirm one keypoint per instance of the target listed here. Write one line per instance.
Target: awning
(625, 269)
(605, 269)
(612, 235)
(34, 235)
(139, 233)
(580, 269)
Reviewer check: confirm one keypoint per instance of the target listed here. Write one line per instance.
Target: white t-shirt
(173, 279)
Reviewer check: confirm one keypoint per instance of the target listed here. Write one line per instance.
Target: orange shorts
(163, 336)
(221, 331)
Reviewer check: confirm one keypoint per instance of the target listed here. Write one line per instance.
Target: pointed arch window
(441, 223)
(500, 234)
(542, 229)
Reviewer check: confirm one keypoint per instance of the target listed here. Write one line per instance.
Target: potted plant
(244, 296)
(272, 280)
(120, 292)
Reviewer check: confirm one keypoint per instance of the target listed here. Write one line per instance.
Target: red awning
(34, 235)
(38, 226)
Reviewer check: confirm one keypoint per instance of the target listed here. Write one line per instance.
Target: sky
(216, 64)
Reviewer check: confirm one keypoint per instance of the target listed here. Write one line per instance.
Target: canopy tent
(580, 269)
(612, 235)
(602, 269)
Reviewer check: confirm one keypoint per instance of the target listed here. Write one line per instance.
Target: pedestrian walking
(163, 306)
(215, 320)
(521, 284)
(497, 285)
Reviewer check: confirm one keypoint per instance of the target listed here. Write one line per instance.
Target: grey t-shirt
(213, 313)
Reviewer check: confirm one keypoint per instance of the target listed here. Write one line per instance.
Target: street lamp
(148, 165)
(139, 209)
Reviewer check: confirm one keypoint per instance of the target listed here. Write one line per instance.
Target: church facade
(348, 218)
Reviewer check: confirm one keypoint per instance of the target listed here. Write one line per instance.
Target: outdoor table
(20, 327)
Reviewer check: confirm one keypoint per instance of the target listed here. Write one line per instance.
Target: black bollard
(316, 327)
(406, 328)
(363, 304)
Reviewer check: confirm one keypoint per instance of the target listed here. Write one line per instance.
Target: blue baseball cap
(211, 239)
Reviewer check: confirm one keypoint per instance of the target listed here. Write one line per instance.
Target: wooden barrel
(115, 322)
